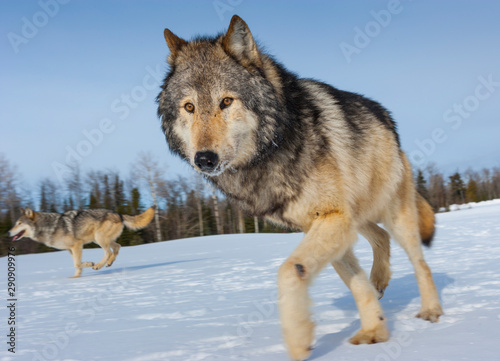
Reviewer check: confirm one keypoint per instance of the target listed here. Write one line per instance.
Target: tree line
(185, 207)
(457, 188)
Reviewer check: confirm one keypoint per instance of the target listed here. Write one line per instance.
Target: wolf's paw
(111, 261)
(431, 315)
(379, 334)
(299, 339)
(298, 353)
(97, 267)
(380, 281)
(380, 293)
(380, 287)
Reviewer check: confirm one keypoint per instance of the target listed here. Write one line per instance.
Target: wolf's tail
(426, 220)
(140, 221)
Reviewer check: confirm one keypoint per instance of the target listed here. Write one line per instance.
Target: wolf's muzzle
(206, 161)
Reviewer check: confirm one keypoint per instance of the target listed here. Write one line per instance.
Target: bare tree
(241, 221)
(437, 188)
(200, 189)
(9, 193)
(148, 171)
(93, 180)
(256, 224)
(216, 211)
(487, 185)
(496, 182)
(185, 214)
(75, 187)
(230, 220)
(50, 196)
(173, 193)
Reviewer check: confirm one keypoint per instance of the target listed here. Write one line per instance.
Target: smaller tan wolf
(72, 229)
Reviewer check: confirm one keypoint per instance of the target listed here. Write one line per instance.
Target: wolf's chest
(59, 242)
(259, 194)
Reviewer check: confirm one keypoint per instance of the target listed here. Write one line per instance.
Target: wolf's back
(140, 221)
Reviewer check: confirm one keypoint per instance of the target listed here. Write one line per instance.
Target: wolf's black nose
(206, 161)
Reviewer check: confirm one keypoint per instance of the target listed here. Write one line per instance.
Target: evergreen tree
(95, 180)
(135, 201)
(471, 193)
(422, 185)
(66, 205)
(44, 203)
(457, 188)
(249, 224)
(53, 208)
(108, 202)
(119, 196)
(93, 201)
(209, 223)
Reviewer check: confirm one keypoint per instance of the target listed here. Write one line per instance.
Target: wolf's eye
(189, 107)
(226, 102)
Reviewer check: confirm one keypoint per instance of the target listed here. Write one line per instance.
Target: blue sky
(79, 78)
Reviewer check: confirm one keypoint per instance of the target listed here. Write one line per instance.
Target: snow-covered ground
(457, 207)
(214, 298)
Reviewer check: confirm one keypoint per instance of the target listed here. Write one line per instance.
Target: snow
(214, 298)
(457, 207)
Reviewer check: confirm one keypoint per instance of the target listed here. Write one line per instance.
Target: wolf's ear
(28, 212)
(174, 42)
(21, 210)
(238, 42)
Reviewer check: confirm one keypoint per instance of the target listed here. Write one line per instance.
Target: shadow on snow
(397, 297)
(145, 266)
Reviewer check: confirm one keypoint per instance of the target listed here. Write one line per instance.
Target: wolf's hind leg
(381, 244)
(404, 228)
(105, 237)
(76, 253)
(116, 249)
(107, 255)
(373, 324)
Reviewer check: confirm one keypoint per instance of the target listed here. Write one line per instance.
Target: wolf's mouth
(17, 236)
(219, 169)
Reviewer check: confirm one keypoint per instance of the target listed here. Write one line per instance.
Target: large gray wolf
(72, 229)
(305, 155)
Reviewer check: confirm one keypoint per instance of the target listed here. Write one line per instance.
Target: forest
(185, 207)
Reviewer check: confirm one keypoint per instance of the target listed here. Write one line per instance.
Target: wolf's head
(25, 225)
(221, 100)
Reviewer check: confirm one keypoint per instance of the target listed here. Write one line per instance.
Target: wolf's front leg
(327, 240)
(78, 273)
(76, 254)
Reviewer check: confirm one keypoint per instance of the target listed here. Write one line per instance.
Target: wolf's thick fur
(72, 229)
(305, 155)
